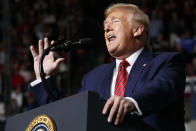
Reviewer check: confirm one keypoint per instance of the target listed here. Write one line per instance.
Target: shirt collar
(131, 59)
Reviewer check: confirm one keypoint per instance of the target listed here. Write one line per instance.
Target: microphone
(83, 41)
(59, 45)
(66, 45)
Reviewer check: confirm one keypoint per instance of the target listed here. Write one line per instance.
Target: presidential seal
(41, 123)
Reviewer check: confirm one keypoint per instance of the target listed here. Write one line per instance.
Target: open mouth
(111, 38)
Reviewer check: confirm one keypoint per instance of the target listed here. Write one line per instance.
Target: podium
(80, 112)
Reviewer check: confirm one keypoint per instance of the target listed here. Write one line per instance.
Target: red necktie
(121, 79)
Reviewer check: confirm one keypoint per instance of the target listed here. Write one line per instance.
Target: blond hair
(138, 15)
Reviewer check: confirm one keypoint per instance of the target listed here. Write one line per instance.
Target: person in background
(187, 45)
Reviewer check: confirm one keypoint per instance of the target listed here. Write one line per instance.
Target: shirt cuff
(35, 82)
(138, 111)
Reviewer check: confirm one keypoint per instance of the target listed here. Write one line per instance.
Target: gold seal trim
(41, 120)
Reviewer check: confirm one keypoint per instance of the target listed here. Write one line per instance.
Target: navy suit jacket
(156, 82)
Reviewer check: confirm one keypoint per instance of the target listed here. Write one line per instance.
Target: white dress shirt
(35, 82)
(131, 60)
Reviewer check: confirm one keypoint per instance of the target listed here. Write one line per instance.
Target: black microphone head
(85, 41)
(68, 45)
(82, 43)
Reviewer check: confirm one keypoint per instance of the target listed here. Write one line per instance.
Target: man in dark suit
(138, 81)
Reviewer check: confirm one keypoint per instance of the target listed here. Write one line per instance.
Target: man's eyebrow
(111, 18)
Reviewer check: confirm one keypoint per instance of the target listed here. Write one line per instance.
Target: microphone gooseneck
(66, 45)
(61, 44)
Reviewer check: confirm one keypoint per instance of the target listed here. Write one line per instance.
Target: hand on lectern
(119, 107)
(49, 64)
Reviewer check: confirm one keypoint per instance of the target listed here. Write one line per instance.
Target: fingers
(52, 42)
(43, 46)
(46, 43)
(119, 114)
(33, 51)
(58, 61)
(124, 112)
(107, 105)
(40, 45)
(49, 64)
(113, 110)
(119, 106)
(51, 52)
(113, 103)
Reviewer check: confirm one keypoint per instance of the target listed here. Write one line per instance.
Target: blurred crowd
(172, 28)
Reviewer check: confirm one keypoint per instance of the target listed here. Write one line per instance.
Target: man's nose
(107, 28)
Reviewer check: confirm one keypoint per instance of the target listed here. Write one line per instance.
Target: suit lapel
(138, 67)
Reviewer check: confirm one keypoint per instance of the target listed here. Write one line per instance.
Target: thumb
(58, 61)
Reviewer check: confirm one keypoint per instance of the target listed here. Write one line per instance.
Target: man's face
(118, 34)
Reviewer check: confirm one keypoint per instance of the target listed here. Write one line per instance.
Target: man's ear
(138, 31)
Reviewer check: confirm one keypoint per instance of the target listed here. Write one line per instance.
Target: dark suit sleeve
(85, 82)
(40, 93)
(83, 85)
(165, 88)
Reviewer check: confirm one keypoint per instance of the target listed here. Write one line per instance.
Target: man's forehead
(114, 15)
(118, 14)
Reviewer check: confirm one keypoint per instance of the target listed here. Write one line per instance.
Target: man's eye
(116, 20)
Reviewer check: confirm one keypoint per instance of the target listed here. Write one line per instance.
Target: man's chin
(117, 55)
(114, 54)
(111, 52)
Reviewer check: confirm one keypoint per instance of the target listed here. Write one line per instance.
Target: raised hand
(49, 64)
